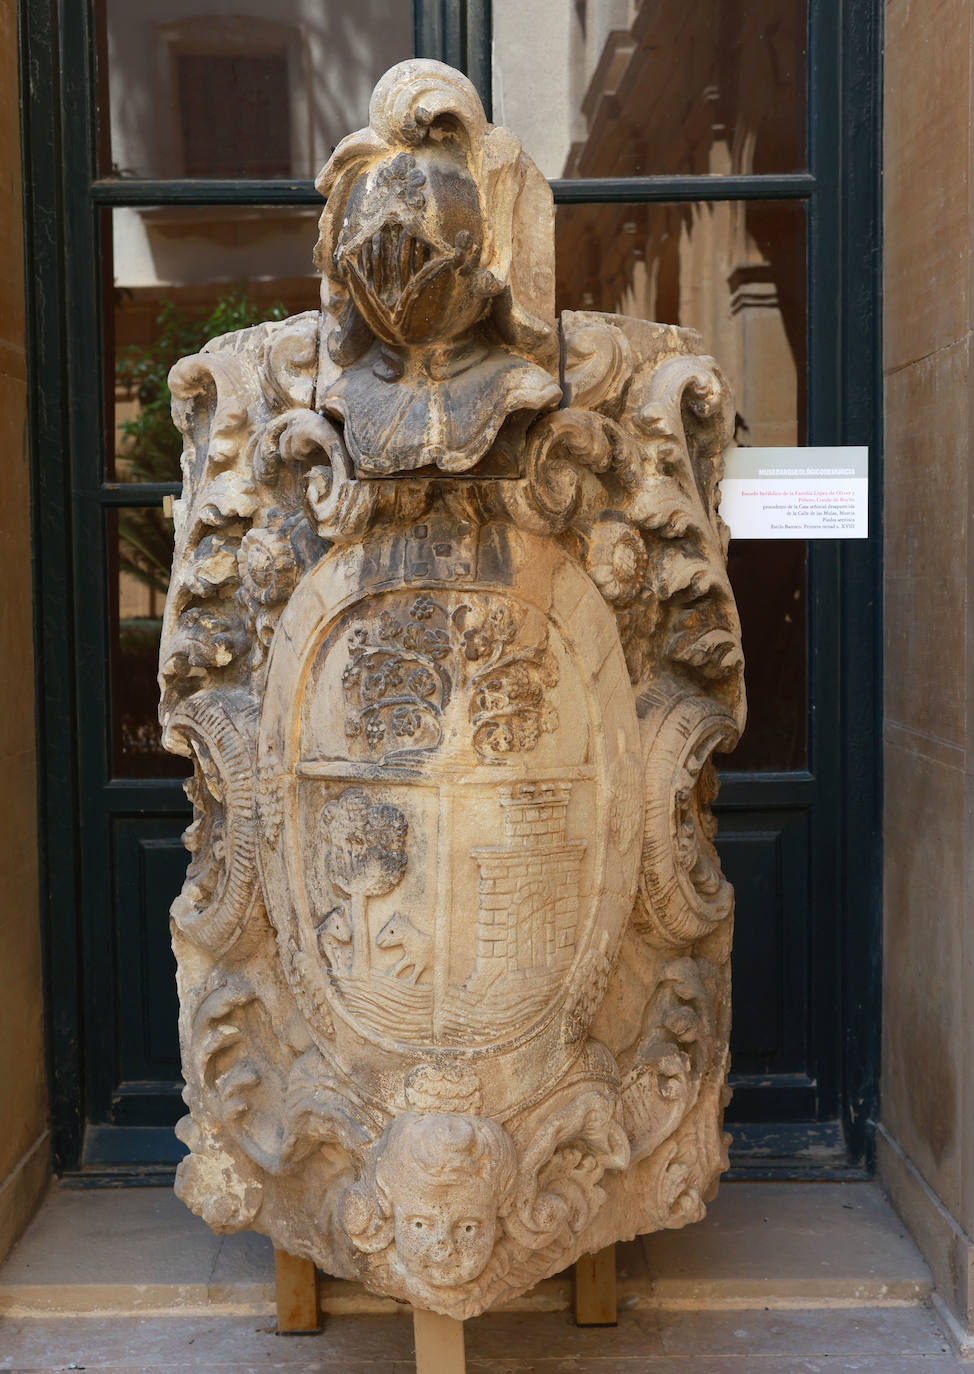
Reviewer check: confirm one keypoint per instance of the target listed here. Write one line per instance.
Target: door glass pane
(735, 271)
(240, 88)
(183, 275)
(616, 88)
(140, 543)
(769, 580)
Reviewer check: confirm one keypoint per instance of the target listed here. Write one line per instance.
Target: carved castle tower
(527, 902)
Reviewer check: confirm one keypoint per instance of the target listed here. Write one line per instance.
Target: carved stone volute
(450, 642)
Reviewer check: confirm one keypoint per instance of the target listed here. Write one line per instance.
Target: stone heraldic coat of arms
(450, 643)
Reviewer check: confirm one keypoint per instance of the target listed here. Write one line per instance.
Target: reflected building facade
(706, 87)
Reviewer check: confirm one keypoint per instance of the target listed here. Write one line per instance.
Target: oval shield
(436, 756)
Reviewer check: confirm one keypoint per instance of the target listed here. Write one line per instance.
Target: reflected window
(233, 114)
(217, 88)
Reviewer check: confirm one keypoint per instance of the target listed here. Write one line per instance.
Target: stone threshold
(138, 1251)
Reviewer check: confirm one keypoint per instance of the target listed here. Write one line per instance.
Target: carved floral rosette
(450, 643)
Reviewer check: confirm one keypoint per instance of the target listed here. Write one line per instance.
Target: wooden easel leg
(595, 1289)
(296, 1287)
(439, 1344)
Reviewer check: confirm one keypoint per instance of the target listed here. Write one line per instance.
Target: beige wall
(927, 1140)
(23, 1092)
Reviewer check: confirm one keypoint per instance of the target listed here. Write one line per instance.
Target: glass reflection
(140, 542)
(216, 88)
(735, 271)
(673, 87)
(183, 276)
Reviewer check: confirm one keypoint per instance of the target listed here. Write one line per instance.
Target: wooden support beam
(439, 1343)
(595, 1289)
(296, 1288)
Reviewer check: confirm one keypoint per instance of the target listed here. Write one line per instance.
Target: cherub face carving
(445, 1232)
(441, 1182)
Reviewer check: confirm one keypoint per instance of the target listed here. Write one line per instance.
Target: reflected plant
(150, 445)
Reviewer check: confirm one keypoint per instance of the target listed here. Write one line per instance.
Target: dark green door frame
(90, 852)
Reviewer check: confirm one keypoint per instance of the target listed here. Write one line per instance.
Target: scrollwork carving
(682, 893)
(218, 730)
(243, 468)
(598, 362)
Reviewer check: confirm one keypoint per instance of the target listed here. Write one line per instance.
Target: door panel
(150, 866)
(765, 855)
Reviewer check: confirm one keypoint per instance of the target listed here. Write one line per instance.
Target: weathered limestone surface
(450, 642)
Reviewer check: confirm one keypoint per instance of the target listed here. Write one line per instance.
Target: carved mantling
(450, 642)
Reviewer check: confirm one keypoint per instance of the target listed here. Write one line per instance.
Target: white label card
(796, 493)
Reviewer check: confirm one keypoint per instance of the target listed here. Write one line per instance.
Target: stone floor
(877, 1340)
(779, 1279)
